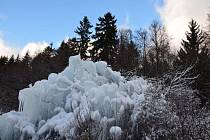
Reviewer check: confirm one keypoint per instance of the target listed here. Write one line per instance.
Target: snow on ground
(84, 90)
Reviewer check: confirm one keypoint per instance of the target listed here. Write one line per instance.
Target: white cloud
(8, 49)
(5, 49)
(34, 48)
(176, 15)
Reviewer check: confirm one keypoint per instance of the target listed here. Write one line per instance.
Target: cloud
(5, 49)
(176, 15)
(34, 48)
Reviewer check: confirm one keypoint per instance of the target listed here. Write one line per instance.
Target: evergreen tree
(66, 49)
(44, 57)
(105, 39)
(84, 36)
(11, 60)
(193, 47)
(208, 31)
(48, 52)
(42, 64)
(17, 60)
(3, 60)
(194, 51)
(26, 59)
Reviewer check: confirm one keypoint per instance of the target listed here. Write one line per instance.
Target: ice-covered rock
(15, 125)
(84, 91)
(115, 132)
(95, 116)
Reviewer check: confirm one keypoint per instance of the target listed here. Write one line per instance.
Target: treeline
(144, 52)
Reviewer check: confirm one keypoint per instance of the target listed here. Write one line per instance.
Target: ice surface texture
(83, 91)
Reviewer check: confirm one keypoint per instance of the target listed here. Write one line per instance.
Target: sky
(176, 14)
(32, 24)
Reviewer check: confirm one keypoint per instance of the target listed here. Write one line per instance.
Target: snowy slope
(84, 92)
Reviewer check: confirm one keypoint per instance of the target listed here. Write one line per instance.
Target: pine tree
(66, 49)
(105, 39)
(193, 47)
(26, 59)
(17, 60)
(208, 31)
(84, 36)
(11, 60)
(3, 60)
(48, 52)
(194, 51)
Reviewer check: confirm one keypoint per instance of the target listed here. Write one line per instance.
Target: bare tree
(155, 29)
(160, 43)
(142, 39)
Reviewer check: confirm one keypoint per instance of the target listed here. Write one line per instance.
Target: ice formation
(84, 90)
(115, 132)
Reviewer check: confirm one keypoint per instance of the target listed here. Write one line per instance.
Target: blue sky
(23, 21)
(31, 24)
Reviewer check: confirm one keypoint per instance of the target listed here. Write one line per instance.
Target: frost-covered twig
(180, 78)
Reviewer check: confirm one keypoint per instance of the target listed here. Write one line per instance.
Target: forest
(182, 76)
